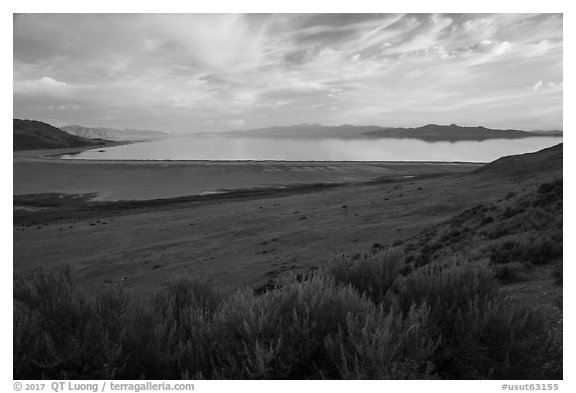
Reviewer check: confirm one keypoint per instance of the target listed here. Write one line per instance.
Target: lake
(232, 148)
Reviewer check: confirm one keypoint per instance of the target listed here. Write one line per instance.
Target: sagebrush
(354, 318)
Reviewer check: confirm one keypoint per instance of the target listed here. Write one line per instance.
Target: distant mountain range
(113, 134)
(33, 135)
(430, 132)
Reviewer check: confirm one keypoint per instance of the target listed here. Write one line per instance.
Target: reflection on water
(250, 148)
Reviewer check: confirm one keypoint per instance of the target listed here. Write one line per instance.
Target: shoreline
(113, 180)
(256, 162)
(55, 156)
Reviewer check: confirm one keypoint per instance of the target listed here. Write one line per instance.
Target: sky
(184, 73)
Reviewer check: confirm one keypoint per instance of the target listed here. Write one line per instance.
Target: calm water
(251, 148)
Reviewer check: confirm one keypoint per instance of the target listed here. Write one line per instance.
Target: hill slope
(113, 134)
(547, 161)
(33, 135)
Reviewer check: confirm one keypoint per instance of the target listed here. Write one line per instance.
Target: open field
(239, 241)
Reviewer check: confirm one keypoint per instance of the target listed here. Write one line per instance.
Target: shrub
(437, 321)
(510, 272)
(58, 333)
(453, 236)
(281, 333)
(506, 252)
(328, 331)
(384, 346)
(423, 258)
(443, 287)
(542, 251)
(510, 212)
(186, 294)
(554, 187)
(487, 220)
(406, 269)
(498, 232)
(497, 339)
(549, 193)
(558, 273)
(169, 334)
(539, 251)
(371, 275)
(480, 331)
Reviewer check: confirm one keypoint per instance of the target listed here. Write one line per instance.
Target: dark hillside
(520, 240)
(33, 135)
(546, 161)
(523, 227)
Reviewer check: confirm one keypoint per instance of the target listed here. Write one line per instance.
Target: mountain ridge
(34, 135)
(429, 132)
(113, 134)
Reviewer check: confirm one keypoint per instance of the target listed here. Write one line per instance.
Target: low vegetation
(423, 309)
(335, 322)
(515, 235)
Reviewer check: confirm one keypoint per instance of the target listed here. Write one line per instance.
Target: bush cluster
(481, 333)
(354, 318)
(371, 274)
(540, 251)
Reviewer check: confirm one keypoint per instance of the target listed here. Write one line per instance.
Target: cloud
(201, 70)
(46, 80)
(550, 87)
(537, 86)
(44, 85)
(63, 107)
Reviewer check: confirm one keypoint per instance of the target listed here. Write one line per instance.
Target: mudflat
(42, 172)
